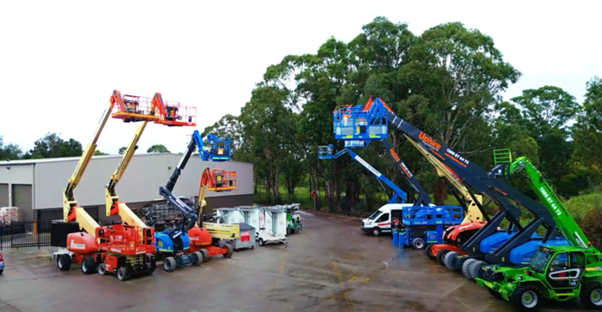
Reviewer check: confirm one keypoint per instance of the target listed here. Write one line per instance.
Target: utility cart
(272, 225)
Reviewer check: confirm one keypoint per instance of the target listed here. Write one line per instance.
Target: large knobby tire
(466, 266)
(122, 274)
(88, 265)
(63, 262)
(525, 297)
(473, 270)
(229, 252)
(197, 258)
(169, 264)
(440, 255)
(376, 231)
(427, 252)
(448, 259)
(101, 268)
(591, 295)
(418, 243)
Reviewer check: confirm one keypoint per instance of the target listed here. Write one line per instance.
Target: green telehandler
(558, 272)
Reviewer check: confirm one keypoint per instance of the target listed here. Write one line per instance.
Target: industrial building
(36, 186)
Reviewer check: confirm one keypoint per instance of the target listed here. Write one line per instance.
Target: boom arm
(480, 180)
(112, 203)
(423, 197)
(566, 224)
(397, 192)
(71, 210)
(473, 203)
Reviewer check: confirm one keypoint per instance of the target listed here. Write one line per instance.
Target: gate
(24, 234)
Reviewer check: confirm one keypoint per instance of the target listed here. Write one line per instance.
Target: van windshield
(375, 215)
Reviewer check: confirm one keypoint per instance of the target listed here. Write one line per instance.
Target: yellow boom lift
(84, 247)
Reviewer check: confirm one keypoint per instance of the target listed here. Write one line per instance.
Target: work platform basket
(360, 123)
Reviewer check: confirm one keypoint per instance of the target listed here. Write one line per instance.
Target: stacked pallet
(9, 215)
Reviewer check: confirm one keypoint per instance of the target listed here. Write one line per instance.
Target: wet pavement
(329, 266)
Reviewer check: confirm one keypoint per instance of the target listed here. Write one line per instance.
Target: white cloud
(60, 60)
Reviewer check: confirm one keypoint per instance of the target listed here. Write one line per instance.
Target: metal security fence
(24, 234)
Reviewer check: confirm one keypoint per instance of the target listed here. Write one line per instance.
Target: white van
(380, 221)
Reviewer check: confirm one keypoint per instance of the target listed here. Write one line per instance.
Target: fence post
(36, 233)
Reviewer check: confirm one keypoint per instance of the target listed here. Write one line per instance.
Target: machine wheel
(261, 242)
(205, 254)
(151, 263)
(229, 251)
(253, 247)
(495, 294)
(466, 266)
(376, 231)
(122, 274)
(169, 264)
(455, 263)
(427, 252)
(591, 295)
(525, 297)
(474, 268)
(88, 265)
(418, 243)
(441, 255)
(197, 258)
(288, 231)
(447, 260)
(63, 262)
(101, 268)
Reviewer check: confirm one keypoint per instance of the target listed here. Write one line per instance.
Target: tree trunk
(440, 191)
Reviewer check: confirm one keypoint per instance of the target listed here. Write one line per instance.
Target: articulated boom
(325, 152)
(471, 173)
(472, 202)
(117, 108)
(113, 205)
(566, 224)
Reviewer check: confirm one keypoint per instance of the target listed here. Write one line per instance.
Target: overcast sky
(61, 60)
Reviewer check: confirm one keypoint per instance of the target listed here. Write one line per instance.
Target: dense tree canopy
(448, 82)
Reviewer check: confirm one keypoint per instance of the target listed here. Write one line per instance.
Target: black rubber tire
(418, 243)
(261, 242)
(197, 258)
(427, 252)
(101, 268)
(517, 297)
(474, 268)
(205, 254)
(169, 264)
(63, 262)
(591, 295)
(448, 259)
(466, 266)
(122, 274)
(376, 231)
(88, 265)
(229, 252)
(456, 263)
(440, 255)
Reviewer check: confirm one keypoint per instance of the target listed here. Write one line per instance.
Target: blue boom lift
(425, 222)
(172, 245)
(369, 122)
